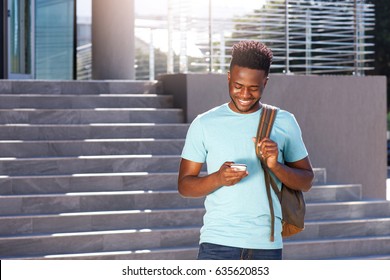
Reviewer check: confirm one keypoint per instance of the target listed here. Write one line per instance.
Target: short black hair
(251, 54)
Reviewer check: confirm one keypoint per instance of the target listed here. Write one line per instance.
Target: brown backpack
(292, 201)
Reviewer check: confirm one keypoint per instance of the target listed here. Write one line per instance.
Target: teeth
(244, 102)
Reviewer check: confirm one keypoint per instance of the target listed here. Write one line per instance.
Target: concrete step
(167, 253)
(173, 253)
(130, 244)
(369, 257)
(99, 241)
(94, 164)
(94, 201)
(330, 193)
(163, 199)
(44, 101)
(325, 229)
(88, 164)
(17, 225)
(337, 248)
(85, 182)
(92, 87)
(90, 116)
(347, 210)
(92, 131)
(137, 146)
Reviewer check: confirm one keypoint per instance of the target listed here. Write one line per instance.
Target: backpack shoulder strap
(264, 130)
(266, 122)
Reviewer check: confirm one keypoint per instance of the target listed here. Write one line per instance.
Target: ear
(228, 76)
(266, 81)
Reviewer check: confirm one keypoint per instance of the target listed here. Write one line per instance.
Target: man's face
(245, 89)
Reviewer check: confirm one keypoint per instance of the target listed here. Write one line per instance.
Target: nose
(245, 91)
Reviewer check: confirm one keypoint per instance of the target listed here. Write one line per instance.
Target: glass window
(54, 21)
(20, 37)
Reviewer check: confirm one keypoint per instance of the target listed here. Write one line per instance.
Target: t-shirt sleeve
(295, 148)
(194, 146)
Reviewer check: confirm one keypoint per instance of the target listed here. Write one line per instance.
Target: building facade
(37, 39)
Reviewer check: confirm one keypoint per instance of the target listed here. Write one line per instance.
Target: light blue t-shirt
(239, 215)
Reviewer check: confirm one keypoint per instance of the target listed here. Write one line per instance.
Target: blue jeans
(208, 251)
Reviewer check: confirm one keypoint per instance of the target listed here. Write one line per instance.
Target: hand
(269, 152)
(228, 176)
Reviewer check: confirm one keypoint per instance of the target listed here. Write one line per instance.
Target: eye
(237, 86)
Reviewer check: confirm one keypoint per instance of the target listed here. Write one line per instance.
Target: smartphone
(239, 166)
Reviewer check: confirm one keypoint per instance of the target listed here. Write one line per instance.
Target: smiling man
(237, 220)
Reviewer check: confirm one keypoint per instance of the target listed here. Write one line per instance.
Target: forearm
(190, 184)
(294, 178)
(194, 186)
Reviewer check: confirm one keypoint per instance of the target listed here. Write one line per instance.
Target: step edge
(91, 193)
(337, 239)
(98, 232)
(108, 253)
(103, 213)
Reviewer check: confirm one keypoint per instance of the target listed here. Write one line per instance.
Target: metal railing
(306, 36)
(84, 62)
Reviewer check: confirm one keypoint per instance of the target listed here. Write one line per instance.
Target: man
(237, 220)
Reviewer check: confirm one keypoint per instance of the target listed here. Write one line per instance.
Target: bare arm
(295, 175)
(190, 184)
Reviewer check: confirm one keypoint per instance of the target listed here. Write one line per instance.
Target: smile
(244, 102)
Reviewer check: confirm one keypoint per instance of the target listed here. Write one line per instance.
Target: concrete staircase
(88, 170)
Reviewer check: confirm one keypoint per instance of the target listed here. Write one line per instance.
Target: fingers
(233, 177)
(269, 151)
(230, 176)
(267, 147)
